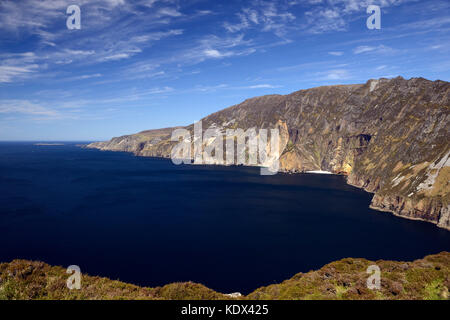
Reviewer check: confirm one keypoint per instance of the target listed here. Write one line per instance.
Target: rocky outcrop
(389, 136)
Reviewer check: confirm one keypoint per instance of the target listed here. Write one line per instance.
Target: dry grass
(428, 278)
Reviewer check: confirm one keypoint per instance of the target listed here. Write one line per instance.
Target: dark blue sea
(149, 222)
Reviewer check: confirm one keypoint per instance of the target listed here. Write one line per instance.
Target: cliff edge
(346, 279)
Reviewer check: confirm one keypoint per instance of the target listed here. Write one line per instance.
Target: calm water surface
(149, 222)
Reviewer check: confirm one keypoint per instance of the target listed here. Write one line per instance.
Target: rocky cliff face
(389, 136)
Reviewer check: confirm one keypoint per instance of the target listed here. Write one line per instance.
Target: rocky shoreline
(428, 210)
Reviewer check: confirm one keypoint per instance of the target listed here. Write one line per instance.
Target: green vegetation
(427, 279)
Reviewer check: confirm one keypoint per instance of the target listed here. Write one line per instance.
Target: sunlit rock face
(389, 136)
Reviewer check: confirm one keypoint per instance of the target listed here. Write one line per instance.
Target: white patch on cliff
(397, 180)
(227, 123)
(234, 295)
(444, 219)
(433, 171)
(319, 172)
(373, 85)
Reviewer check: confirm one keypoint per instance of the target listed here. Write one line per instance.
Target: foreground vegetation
(427, 278)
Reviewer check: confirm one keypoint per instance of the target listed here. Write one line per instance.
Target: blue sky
(143, 64)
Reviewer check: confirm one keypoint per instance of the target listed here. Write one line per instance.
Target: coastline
(348, 181)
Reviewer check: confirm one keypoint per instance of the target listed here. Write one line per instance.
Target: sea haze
(149, 222)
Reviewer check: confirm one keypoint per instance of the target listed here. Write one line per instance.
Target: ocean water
(149, 222)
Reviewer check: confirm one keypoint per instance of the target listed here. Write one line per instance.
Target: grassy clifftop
(427, 278)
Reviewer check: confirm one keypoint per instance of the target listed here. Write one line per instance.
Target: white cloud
(267, 16)
(362, 49)
(156, 35)
(158, 90)
(213, 53)
(320, 20)
(80, 52)
(135, 95)
(202, 88)
(17, 66)
(29, 108)
(149, 3)
(351, 6)
(86, 76)
(32, 15)
(336, 53)
(335, 15)
(111, 37)
(171, 12)
(224, 86)
(262, 86)
(432, 23)
(214, 47)
(20, 66)
(11, 73)
(335, 74)
(381, 49)
(117, 56)
(204, 12)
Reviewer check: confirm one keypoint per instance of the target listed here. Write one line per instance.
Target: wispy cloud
(335, 15)
(17, 66)
(28, 108)
(86, 76)
(267, 16)
(214, 47)
(320, 20)
(223, 86)
(261, 86)
(213, 53)
(171, 12)
(11, 73)
(380, 49)
(335, 74)
(110, 37)
(40, 110)
(18, 16)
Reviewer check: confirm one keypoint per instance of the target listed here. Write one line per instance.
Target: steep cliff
(389, 136)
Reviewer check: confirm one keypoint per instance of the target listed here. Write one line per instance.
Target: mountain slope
(389, 136)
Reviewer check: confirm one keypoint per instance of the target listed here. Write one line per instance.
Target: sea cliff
(388, 136)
